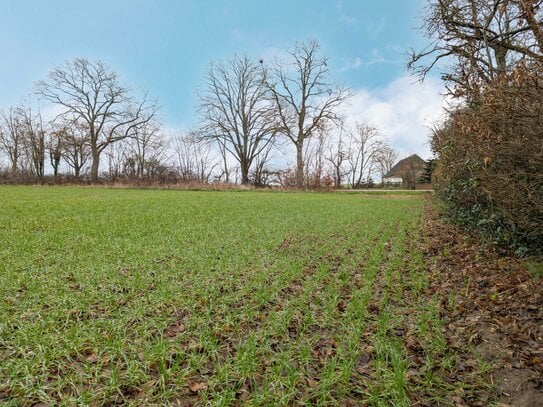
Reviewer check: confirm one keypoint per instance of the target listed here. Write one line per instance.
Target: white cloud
(375, 57)
(350, 64)
(343, 17)
(371, 27)
(403, 110)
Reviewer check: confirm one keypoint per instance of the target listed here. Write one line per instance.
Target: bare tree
(481, 38)
(410, 173)
(314, 158)
(90, 93)
(225, 172)
(116, 159)
(338, 154)
(365, 144)
(304, 99)
(146, 146)
(55, 145)
(261, 173)
(236, 111)
(33, 139)
(386, 158)
(530, 11)
(194, 158)
(12, 138)
(75, 146)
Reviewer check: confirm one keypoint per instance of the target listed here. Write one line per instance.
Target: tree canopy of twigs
(474, 41)
(305, 100)
(237, 112)
(91, 94)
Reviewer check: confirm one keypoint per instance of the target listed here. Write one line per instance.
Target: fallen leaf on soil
(197, 386)
(174, 329)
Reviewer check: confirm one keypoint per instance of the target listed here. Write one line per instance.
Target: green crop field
(173, 297)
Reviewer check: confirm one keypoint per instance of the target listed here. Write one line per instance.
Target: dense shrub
(490, 170)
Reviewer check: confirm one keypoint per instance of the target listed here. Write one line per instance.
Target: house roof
(401, 166)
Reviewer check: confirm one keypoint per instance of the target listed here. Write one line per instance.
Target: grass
(178, 297)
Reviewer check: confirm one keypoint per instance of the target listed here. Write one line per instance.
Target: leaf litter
(493, 313)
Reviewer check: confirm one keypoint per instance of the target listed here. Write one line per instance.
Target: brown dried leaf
(174, 329)
(195, 387)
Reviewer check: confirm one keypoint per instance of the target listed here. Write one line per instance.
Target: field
(172, 297)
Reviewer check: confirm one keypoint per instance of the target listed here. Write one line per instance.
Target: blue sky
(165, 46)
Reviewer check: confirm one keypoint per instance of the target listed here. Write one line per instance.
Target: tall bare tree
(236, 110)
(12, 138)
(33, 138)
(304, 99)
(91, 93)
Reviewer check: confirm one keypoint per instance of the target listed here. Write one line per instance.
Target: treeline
(252, 113)
(490, 149)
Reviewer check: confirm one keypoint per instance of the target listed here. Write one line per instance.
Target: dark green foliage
(428, 170)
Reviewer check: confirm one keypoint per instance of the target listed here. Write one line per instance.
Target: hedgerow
(490, 170)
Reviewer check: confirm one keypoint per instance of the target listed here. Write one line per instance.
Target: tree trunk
(501, 58)
(244, 168)
(42, 157)
(14, 169)
(95, 166)
(299, 165)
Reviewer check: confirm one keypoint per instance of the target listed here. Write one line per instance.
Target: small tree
(337, 156)
(365, 144)
(75, 146)
(145, 147)
(409, 174)
(194, 158)
(314, 159)
(386, 158)
(55, 146)
(12, 138)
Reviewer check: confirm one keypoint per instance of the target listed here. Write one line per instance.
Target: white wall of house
(392, 180)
